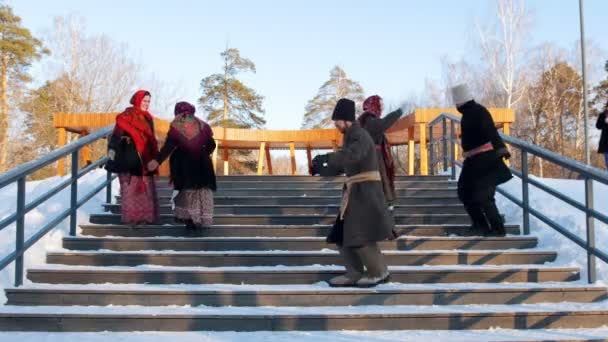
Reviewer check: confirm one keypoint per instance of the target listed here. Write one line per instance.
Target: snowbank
(36, 218)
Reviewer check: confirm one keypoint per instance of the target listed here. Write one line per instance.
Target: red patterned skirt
(139, 199)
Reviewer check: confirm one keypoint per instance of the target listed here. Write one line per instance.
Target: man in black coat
(364, 218)
(483, 168)
(602, 124)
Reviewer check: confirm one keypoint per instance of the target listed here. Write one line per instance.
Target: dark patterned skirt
(139, 199)
(195, 205)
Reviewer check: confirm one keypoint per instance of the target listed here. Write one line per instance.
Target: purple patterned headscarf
(184, 108)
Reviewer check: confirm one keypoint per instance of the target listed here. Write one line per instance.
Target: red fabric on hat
(373, 105)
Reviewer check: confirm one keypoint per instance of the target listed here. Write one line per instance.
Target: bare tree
(503, 49)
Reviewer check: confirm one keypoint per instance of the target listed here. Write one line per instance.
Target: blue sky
(390, 47)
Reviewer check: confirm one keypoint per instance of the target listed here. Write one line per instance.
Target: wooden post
(424, 151)
(86, 151)
(268, 160)
(411, 153)
(226, 155)
(214, 157)
(292, 153)
(309, 157)
(261, 158)
(62, 138)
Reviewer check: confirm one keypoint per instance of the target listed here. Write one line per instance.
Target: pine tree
(320, 108)
(229, 103)
(226, 100)
(18, 49)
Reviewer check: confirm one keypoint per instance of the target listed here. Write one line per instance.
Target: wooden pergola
(411, 130)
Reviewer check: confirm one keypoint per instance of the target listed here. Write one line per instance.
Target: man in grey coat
(364, 218)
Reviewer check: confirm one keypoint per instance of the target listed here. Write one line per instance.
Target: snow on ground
(36, 218)
(569, 253)
(494, 335)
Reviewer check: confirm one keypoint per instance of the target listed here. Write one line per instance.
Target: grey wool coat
(367, 218)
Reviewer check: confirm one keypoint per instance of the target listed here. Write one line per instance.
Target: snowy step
(292, 275)
(316, 192)
(316, 200)
(228, 259)
(403, 243)
(539, 316)
(316, 185)
(296, 219)
(263, 230)
(306, 209)
(290, 295)
(305, 178)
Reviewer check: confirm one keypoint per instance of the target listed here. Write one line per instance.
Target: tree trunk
(4, 122)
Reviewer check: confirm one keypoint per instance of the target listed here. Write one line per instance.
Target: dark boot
(495, 220)
(479, 224)
(190, 224)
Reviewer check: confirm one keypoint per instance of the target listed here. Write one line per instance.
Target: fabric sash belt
(370, 176)
(481, 149)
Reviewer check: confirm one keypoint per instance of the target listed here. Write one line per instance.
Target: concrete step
(548, 316)
(294, 275)
(306, 296)
(403, 243)
(315, 185)
(295, 179)
(317, 192)
(296, 219)
(306, 209)
(263, 230)
(315, 200)
(246, 259)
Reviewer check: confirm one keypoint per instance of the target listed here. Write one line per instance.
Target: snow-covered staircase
(264, 263)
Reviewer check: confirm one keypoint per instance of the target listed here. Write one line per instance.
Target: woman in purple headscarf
(190, 143)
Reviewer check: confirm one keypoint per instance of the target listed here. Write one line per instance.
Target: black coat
(376, 127)
(189, 172)
(601, 124)
(127, 159)
(367, 218)
(487, 168)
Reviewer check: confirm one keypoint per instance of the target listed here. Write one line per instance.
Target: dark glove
(504, 153)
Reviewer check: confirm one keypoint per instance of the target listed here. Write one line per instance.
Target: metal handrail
(20, 174)
(587, 172)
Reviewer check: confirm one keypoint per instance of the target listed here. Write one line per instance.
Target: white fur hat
(461, 94)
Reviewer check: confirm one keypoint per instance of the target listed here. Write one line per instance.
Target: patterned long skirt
(139, 199)
(195, 205)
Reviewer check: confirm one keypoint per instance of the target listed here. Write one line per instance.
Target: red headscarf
(373, 105)
(138, 125)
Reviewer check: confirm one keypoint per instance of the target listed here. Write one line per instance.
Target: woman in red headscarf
(376, 126)
(131, 147)
(190, 143)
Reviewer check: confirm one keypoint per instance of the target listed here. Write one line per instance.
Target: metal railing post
(20, 233)
(445, 144)
(109, 189)
(453, 148)
(525, 192)
(431, 151)
(591, 268)
(74, 193)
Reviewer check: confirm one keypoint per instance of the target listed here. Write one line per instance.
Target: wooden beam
(269, 160)
(86, 151)
(62, 138)
(424, 151)
(292, 153)
(214, 157)
(309, 158)
(411, 153)
(335, 145)
(261, 158)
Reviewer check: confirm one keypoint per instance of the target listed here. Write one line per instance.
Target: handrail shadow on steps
(20, 174)
(588, 173)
